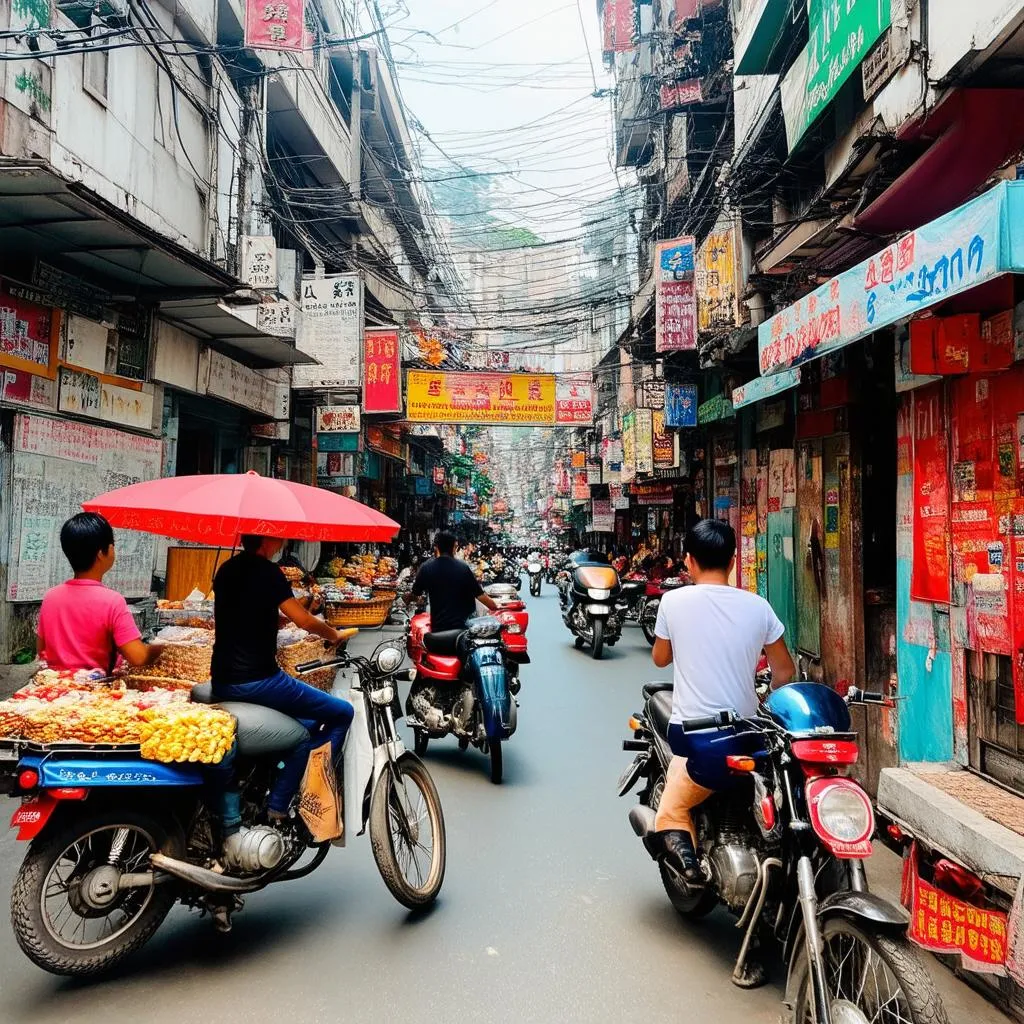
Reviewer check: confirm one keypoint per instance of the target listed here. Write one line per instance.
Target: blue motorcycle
(116, 841)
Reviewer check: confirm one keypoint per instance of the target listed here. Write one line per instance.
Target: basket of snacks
(188, 655)
(363, 613)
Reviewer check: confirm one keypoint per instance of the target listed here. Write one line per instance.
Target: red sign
(382, 376)
(929, 579)
(574, 399)
(275, 24)
(384, 440)
(943, 923)
(681, 94)
(439, 476)
(619, 25)
(580, 487)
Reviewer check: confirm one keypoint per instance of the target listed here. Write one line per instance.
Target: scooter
(589, 602)
(116, 840)
(536, 571)
(462, 687)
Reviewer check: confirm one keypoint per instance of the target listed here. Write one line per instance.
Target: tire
(598, 643)
(535, 588)
(496, 766)
(579, 643)
(648, 618)
(920, 1002)
(33, 926)
(384, 821)
(420, 742)
(690, 905)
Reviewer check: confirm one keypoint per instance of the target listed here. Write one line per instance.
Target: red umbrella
(216, 510)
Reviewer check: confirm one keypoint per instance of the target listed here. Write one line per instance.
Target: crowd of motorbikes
(115, 841)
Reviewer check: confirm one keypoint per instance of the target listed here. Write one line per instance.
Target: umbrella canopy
(216, 510)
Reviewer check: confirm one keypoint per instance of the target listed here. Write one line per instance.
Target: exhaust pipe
(204, 878)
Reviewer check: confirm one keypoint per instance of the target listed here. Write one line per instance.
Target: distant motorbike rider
(450, 586)
(712, 634)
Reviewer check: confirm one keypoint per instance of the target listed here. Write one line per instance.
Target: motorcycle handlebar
(857, 696)
(716, 721)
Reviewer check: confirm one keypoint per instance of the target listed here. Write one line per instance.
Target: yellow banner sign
(492, 398)
(717, 305)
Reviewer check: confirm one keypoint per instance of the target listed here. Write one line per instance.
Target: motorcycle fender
(601, 611)
(628, 779)
(31, 817)
(361, 766)
(490, 680)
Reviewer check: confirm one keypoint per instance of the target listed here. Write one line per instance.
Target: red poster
(275, 24)
(382, 371)
(930, 575)
(619, 25)
(580, 487)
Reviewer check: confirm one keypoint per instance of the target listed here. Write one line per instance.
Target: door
(781, 589)
(810, 547)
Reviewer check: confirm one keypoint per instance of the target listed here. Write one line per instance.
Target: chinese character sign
(574, 399)
(680, 405)
(717, 305)
(644, 441)
(275, 24)
(511, 398)
(332, 332)
(337, 419)
(382, 376)
(675, 297)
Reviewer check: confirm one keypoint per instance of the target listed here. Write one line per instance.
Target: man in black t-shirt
(451, 587)
(250, 595)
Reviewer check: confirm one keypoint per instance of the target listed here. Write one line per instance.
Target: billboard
(510, 399)
(332, 332)
(574, 399)
(675, 299)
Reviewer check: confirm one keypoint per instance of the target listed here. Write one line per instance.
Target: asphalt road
(550, 911)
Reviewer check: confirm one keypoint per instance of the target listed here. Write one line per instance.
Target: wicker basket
(321, 678)
(367, 614)
(180, 661)
(380, 593)
(293, 655)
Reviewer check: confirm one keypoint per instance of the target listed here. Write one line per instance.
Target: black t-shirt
(248, 590)
(452, 589)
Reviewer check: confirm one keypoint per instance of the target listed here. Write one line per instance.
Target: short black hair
(712, 543)
(83, 537)
(251, 543)
(445, 542)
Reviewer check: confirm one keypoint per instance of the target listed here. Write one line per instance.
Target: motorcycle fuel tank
(805, 707)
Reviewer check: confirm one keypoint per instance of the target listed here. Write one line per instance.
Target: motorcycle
(589, 603)
(632, 596)
(462, 686)
(514, 619)
(782, 843)
(654, 591)
(116, 841)
(535, 571)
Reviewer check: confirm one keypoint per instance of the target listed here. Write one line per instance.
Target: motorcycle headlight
(598, 595)
(383, 696)
(387, 660)
(844, 813)
(533, 567)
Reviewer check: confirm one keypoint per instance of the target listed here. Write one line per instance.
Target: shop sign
(275, 25)
(593, 472)
(28, 335)
(53, 287)
(628, 446)
(133, 333)
(337, 442)
(717, 302)
(439, 476)
(676, 95)
(603, 516)
(338, 419)
(714, 409)
(579, 460)
(276, 318)
(524, 399)
(382, 440)
(619, 497)
(653, 494)
(85, 394)
(337, 467)
(644, 441)
(841, 34)
(950, 255)
(680, 405)
(242, 385)
(424, 486)
(770, 415)
(665, 444)
(574, 399)
(500, 507)
(274, 430)
(259, 253)
(760, 388)
(20, 388)
(675, 300)
(331, 331)
(929, 579)
(891, 53)
(619, 23)
(382, 371)
(580, 487)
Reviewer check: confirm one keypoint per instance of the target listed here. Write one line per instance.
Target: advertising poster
(644, 441)
(675, 298)
(522, 399)
(680, 405)
(574, 399)
(665, 444)
(930, 579)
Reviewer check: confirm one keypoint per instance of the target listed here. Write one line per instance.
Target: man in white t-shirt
(712, 634)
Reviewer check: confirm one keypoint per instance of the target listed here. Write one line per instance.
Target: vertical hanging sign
(619, 19)
(929, 580)
(275, 25)
(674, 296)
(382, 377)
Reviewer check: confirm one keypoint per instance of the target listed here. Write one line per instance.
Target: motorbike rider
(250, 595)
(712, 634)
(450, 586)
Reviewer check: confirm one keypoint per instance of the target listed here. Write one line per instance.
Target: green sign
(841, 33)
(714, 409)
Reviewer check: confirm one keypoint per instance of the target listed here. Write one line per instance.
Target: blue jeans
(325, 717)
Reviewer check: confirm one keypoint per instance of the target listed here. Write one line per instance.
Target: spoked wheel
(496, 767)
(407, 832)
(69, 913)
(870, 979)
(597, 644)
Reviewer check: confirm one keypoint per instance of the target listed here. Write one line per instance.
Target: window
(95, 71)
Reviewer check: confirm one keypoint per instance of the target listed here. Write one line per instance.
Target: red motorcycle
(655, 591)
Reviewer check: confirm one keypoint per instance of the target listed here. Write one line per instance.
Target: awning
(967, 247)
(759, 48)
(760, 388)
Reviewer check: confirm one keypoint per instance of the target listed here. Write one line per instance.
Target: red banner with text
(275, 25)
(382, 376)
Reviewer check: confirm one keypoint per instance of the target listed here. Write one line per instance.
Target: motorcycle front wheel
(597, 645)
(878, 979)
(66, 910)
(496, 767)
(407, 832)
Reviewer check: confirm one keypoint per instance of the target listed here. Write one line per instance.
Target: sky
(506, 87)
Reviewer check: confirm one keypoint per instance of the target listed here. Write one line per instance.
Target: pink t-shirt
(82, 624)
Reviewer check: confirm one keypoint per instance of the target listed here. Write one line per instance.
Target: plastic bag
(318, 796)
(358, 763)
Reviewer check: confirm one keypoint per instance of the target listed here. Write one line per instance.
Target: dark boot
(680, 856)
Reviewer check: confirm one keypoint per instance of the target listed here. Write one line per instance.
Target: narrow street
(550, 909)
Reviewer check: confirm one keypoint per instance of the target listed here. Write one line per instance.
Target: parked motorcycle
(632, 596)
(654, 591)
(589, 606)
(782, 843)
(117, 840)
(462, 687)
(535, 571)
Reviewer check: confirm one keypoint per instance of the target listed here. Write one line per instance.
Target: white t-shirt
(716, 633)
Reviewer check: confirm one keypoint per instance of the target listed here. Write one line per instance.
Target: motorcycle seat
(259, 731)
(659, 707)
(446, 642)
(657, 686)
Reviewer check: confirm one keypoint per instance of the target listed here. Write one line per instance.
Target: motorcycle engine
(731, 857)
(260, 849)
(442, 708)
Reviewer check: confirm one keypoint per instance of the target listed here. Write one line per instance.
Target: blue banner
(680, 405)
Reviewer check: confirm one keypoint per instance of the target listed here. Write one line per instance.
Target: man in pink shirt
(83, 624)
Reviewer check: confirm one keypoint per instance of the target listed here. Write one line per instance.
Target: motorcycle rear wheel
(404, 801)
(535, 587)
(496, 765)
(880, 977)
(648, 618)
(59, 924)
